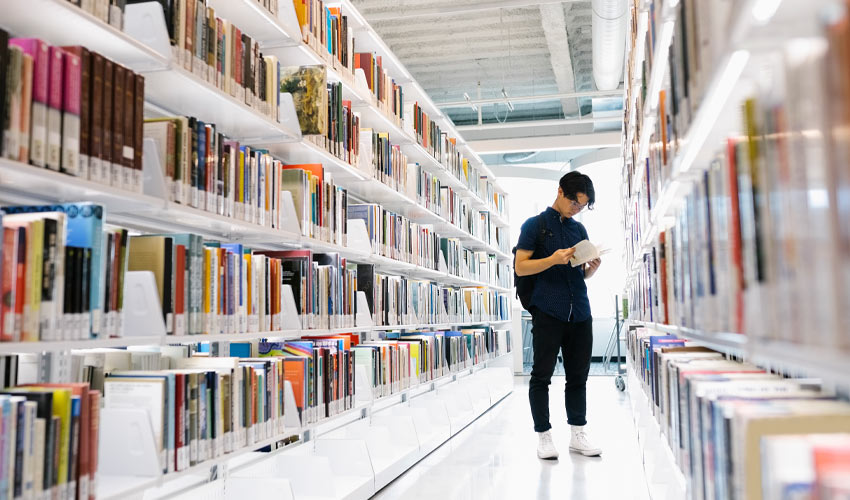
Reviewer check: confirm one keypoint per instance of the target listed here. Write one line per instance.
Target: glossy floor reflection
(495, 457)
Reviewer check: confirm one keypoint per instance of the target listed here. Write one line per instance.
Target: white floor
(494, 458)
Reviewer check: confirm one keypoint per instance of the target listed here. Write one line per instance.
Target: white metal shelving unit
(757, 28)
(171, 89)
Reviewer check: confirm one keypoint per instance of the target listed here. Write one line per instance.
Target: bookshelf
(430, 411)
(712, 155)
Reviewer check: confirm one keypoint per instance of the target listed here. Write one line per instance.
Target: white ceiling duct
(609, 42)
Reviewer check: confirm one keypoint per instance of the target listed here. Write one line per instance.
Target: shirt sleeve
(527, 235)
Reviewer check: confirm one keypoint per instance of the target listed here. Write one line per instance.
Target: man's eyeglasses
(577, 206)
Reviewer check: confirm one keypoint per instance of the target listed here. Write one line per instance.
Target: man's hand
(590, 267)
(562, 256)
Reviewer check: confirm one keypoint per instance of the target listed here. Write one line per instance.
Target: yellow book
(147, 253)
(35, 250)
(301, 13)
(61, 410)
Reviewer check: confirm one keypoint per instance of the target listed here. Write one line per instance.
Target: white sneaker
(579, 443)
(545, 447)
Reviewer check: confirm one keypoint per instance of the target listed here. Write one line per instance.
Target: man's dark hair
(573, 183)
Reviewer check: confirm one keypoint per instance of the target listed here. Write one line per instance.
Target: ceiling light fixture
(471, 104)
(507, 101)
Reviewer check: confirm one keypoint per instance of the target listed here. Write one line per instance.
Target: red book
(662, 267)
(364, 61)
(96, 138)
(180, 402)
(237, 55)
(10, 260)
(138, 128)
(94, 432)
(71, 105)
(180, 285)
(735, 236)
(20, 281)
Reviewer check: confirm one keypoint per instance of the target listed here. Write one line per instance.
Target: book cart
(354, 453)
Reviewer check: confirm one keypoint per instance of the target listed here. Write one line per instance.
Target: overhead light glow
(763, 10)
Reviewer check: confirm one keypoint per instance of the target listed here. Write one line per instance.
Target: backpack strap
(541, 233)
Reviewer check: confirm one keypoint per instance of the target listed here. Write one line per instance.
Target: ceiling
(518, 48)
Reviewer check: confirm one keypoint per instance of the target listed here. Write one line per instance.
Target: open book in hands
(585, 252)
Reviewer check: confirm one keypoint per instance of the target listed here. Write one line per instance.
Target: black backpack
(525, 284)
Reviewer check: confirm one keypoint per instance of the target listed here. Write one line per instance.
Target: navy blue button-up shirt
(560, 291)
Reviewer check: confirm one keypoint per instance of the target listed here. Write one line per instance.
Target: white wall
(529, 197)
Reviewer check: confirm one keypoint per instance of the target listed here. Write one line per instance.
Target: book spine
(117, 126)
(54, 110)
(72, 94)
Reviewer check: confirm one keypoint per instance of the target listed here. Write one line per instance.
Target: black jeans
(575, 341)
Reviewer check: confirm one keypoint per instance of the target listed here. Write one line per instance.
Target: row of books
(50, 439)
(325, 29)
(62, 273)
(395, 236)
(717, 415)
(384, 161)
(203, 169)
(746, 231)
(388, 94)
(398, 300)
(108, 11)
(223, 55)
(71, 110)
(426, 130)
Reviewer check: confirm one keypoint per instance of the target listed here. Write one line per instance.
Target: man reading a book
(560, 309)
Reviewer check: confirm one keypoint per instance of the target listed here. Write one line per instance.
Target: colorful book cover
(308, 86)
(84, 230)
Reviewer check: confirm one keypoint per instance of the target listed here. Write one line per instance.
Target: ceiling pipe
(529, 98)
(609, 24)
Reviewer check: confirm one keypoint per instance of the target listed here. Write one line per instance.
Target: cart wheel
(620, 383)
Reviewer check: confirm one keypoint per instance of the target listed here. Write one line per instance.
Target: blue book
(5, 442)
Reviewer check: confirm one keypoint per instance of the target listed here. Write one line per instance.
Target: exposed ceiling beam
(547, 143)
(604, 154)
(538, 123)
(541, 97)
(525, 172)
(453, 10)
(555, 30)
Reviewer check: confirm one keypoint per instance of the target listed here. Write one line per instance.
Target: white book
(139, 393)
(38, 457)
(585, 252)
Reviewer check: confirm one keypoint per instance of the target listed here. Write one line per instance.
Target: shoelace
(581, 438)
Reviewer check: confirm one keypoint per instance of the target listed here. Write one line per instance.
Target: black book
(366, 283)
(84, 307)
(70, 281)
(74, 443)
(168, 283)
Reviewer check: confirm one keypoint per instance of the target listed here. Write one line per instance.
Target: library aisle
(290, 249)
(495, 457)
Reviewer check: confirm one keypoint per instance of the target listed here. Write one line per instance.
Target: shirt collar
(554, 213)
